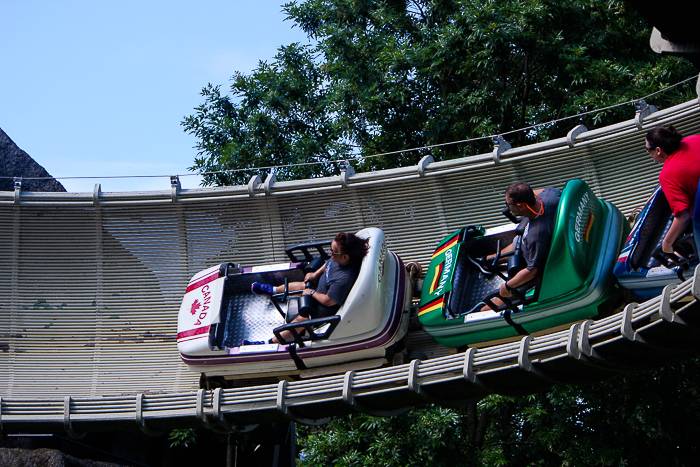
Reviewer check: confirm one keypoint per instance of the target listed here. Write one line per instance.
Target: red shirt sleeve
(676, 197)
(680, 174)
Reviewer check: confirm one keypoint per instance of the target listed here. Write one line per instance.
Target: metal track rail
(90, 286)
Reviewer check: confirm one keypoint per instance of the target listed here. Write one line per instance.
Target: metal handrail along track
(642, 336)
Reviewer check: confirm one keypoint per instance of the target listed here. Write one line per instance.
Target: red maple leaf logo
(195, 307)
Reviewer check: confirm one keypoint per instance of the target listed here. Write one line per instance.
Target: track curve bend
(91, 285)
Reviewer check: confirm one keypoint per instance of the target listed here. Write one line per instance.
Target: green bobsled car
(577, 279)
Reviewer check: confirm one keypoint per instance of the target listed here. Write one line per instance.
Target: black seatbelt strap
(297, 360)
(518, 328)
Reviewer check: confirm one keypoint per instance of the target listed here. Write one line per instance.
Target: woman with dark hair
(679, 176)
(333, 280)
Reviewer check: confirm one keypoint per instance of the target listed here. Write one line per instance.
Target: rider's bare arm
(507, 249)
(316, 275)
(321, 298)
(680, 222)
(521, 278)
(312, 277)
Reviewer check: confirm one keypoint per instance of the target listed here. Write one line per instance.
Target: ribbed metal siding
(91, 286)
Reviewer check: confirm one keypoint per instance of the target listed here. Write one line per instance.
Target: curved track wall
(90, 283)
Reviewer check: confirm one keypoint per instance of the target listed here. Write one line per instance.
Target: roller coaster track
(91, 285)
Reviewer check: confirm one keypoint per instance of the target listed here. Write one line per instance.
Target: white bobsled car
(220, 317)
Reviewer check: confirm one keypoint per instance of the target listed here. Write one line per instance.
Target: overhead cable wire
(390, 153)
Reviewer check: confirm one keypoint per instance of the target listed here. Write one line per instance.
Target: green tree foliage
(364, 440)
(646, 418)
(281, 115)
(182, 437)
(389, 75)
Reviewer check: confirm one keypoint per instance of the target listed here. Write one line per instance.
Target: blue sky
(99, 88)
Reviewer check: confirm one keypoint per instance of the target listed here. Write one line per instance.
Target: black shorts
(318, 311)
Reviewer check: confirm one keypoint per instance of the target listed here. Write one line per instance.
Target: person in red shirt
(678, 178)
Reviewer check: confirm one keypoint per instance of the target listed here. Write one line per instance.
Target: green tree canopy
(388, 75)
(645, 418)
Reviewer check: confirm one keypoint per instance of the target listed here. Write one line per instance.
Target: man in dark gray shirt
(537, 238)
(539, 208)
